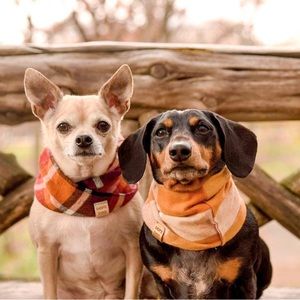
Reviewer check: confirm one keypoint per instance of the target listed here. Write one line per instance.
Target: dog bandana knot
(93, 197)
(199, 220)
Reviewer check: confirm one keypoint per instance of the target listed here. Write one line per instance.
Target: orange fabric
(186, 204)
(63, 193)
(206, 218)
(177, 241)
(92, 197)
(237, 225)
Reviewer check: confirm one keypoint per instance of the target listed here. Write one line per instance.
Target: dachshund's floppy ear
(133, 152)
(239, 144)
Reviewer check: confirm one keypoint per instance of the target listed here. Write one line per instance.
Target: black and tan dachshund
(186, 149)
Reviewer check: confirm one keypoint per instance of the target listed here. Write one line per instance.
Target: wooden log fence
(241, 83)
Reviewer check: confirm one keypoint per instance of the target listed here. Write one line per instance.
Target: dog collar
(93, 197)
(204, 219)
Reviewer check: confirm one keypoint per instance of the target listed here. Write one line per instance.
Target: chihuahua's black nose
(84, 141)
(180, 151)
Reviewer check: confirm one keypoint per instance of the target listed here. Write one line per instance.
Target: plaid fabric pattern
(92, 197)
(199, 220)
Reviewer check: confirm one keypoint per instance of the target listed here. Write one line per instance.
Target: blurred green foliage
(18, 256)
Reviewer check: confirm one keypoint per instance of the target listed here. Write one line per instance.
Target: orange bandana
(92, 197)
(199, 220)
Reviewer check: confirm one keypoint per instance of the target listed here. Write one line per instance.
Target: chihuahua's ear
(239, 144)
(41, 92)
(118, 90)
(133, 152)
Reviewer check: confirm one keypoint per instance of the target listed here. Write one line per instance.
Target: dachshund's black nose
(84, 141)
(180, 151)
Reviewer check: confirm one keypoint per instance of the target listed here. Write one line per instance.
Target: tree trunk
(273, 199)
(16, 205)
(16, 190)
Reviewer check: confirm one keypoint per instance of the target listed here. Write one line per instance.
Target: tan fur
(229, 270)
(204, 275)
(85, 257)
(168, 123)
(200, 158)
(84, 112)
(217, 155)
(164, 272)
(193, 121)
(159, 158)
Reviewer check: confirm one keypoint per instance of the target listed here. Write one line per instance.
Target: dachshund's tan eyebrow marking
(193, 121)
(168, 123)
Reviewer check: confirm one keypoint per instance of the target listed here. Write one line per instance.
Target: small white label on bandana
(101, 208)
(98, 182)
(158, 231)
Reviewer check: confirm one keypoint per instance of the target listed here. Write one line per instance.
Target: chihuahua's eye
(63, 127)
(103, 126)
(162, 132)
(202, 129)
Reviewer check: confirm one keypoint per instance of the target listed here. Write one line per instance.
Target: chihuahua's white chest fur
(91, 251)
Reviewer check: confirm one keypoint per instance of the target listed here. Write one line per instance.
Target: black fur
(239, 144)
(198, 268)
(255, 274)
(133, 152)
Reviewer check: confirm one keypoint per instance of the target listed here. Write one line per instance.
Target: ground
(33, 290)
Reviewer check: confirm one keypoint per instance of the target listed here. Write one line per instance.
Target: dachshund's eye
(64, 127)
(202, 129)
(162, 132)
(103, 126)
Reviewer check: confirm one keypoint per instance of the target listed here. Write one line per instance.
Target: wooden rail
(241, 83)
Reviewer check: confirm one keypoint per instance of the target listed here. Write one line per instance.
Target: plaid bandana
(206, 218)
(93, 197)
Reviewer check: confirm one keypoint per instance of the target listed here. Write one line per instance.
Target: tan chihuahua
(85, 218)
